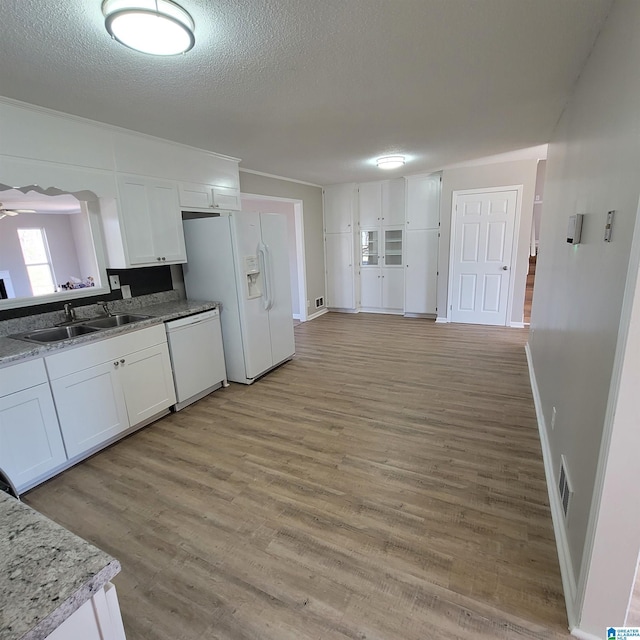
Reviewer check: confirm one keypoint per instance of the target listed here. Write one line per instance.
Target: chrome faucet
(104, 307)
(69, 313)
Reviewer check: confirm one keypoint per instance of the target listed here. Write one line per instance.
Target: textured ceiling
(316, 89)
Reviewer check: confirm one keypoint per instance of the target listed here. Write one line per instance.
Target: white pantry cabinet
(146, 227)
(205, 196)
(422, 239)
(104, 388)
(339, 271)
(30, 440)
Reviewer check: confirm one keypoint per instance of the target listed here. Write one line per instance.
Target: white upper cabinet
(205, 196)
(393, 202)
(370, 204)
(339, 204)
(423, 202)
(147, 222)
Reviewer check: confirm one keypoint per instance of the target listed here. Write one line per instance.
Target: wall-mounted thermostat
(575, 229)
(609, 226)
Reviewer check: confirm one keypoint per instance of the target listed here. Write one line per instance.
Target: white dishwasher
(197, 356)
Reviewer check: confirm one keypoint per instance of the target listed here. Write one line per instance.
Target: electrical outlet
(308, 304)
(114, 282)
(126, 291)
(553, 418)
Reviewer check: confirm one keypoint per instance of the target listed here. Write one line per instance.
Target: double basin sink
(79, 328)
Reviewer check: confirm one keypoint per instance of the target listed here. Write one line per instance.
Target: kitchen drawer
(17, 377)
(90, 355)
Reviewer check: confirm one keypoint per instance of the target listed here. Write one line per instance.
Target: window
(35, 252)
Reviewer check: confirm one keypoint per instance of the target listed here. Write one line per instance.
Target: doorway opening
(292, 209)
(535, 241)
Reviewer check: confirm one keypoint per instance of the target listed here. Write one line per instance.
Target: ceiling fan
(4, 212)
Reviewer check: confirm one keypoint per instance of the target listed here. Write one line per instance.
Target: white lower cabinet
(97, 619)
(104, 388)
(30, 440)
(147, 383)
(91, 407)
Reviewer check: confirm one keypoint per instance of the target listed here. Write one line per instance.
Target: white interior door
(274, 237)
(483, 234)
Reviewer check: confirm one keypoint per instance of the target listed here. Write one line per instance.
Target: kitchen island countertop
(46, 572)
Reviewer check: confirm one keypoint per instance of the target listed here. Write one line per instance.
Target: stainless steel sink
(116, 320)
(55, 334)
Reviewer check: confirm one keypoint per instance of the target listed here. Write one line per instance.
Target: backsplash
(143, 281)
(44, 320)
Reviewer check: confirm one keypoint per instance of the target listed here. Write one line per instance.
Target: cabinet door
(339, 202)
(30, 440)
(423, 202)
(393, 248)
(225, 198)
(392, 288)
(137, 220)
(369, 249)
(421, 273)
(166, 222)
(393, 202)
(370, 288)
(370, 204)
(340, 284)
(91, 407)
(147, 383)
(197, 196)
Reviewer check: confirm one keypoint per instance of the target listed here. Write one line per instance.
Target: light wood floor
(385, 484)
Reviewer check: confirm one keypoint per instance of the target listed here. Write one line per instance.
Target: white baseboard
(583, 635)
(317, 314)
(557, 515)
(516, 325)
(296, 316)
(441, 320)
(341, 310)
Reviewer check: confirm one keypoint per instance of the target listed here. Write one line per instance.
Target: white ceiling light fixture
(158, 27)
(390, 162)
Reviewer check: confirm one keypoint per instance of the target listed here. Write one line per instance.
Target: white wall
(519, 172)
(61, 247)
(593, 166)
(287, 209)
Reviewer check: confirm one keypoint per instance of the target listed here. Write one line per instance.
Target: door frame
(300, 253)
(513, 261)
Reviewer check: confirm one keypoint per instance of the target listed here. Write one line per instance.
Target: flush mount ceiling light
(390, 162)
(159, 27)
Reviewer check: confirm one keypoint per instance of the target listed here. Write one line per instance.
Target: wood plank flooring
(385, 484)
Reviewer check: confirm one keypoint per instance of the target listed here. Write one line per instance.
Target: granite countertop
(12, 350)
(46, 572)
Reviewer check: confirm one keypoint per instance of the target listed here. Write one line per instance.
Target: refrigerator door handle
(267, 254)
(262, 250)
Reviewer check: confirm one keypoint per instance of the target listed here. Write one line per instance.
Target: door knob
(505, 268)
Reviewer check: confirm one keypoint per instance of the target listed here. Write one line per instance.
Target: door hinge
(437, 273)
(438, 234)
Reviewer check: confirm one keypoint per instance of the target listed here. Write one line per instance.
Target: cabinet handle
(116, 364)
(122, 361)
(158, 258)
(163, 258)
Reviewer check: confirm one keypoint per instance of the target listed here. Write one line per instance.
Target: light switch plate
(126, 291)
(114, 282)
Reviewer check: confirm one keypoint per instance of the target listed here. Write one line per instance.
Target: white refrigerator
(241, 260)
